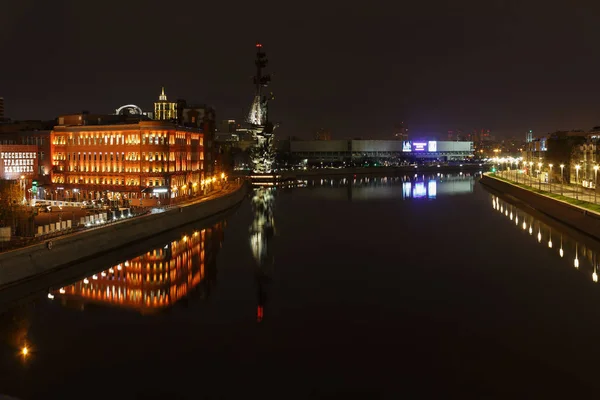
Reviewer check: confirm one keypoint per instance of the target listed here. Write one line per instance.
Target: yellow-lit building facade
(155, 280)
(163, 109)
(142, 160)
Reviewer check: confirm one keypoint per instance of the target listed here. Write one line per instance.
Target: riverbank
(32, 261)
(381, 171)
(574, 216)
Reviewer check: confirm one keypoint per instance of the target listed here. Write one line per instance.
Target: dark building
(203, 117)
(1, 108)
(323, 134)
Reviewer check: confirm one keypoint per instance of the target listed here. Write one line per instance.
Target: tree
(11, 196)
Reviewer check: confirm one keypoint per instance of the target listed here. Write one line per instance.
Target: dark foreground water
(381, 288)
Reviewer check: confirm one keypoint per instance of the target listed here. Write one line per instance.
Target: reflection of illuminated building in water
(261, 232)
(577, 254)
(379, 188)
(155, 280)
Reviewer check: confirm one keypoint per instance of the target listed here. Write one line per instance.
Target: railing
(137, 212)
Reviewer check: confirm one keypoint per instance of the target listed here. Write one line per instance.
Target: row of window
(176, 139)
(178, 166)
(131, 156)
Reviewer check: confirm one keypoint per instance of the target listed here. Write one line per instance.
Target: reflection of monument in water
(155, 280)
(261, 232)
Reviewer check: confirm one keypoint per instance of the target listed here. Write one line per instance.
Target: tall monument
(263, 153)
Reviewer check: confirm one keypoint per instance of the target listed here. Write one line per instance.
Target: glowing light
(50, 296)
(511, 216)
(539, 236)
(550, 243)
(524, 225)
(61, 290)
(561, 252)
(86, 281)
(517, 220)
(25, 351)
(103, 273)
(595, 277)
(530, 230)
(119, 267)
(95, 277)
(576, 262)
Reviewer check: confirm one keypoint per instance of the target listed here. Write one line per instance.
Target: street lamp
(550, 177)
(530, 168)
(540, 175)
(562, 178)
(595, 181)
(577, 181)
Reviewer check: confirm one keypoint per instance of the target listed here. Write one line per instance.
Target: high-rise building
(323, 134)
(163, 109)
(1, 108)
(227, 126)
(401, 131)
(529, 136)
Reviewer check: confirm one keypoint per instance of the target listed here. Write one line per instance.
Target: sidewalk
(21, 242)
(569, 191)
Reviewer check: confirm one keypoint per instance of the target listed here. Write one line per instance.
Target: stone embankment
(28, 262)
(578, 218)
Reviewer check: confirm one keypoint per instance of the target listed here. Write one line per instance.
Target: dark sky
(357, 68)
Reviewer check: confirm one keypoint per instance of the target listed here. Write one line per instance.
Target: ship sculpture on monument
(262, 153)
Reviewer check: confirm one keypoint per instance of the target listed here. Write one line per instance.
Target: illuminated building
(163, 109)
(317, 151)
(263, 153)
(155, 280)
(202, 117)
(132, 109)
(153, 160)
(38, 138)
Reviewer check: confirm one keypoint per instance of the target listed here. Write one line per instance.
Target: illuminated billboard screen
(432, 146)
(419, 146)
(406, 146)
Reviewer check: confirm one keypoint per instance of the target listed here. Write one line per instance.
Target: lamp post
(550, 177)
(540, 175)
(595, 181)
(562, 178)
(577, 181)
(530, 177)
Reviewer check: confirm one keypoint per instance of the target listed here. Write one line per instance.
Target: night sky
(357, 68)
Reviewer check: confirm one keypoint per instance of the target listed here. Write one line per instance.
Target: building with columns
(133, 163)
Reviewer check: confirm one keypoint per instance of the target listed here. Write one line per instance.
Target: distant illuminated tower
(529, 136)
(263, 153)
(163, 109)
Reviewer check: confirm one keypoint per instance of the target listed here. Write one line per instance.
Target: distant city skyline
(504, 67)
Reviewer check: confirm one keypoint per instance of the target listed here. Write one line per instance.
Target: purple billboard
(419, 146)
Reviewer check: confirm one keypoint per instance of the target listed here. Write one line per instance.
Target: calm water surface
(372, 288)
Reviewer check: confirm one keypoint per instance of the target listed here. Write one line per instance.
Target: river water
(374, 288)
